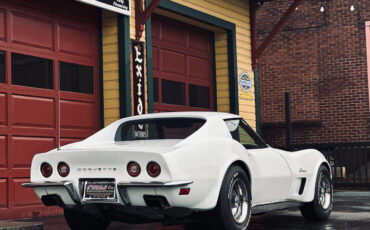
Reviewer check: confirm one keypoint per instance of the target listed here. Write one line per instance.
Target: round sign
(245, 82)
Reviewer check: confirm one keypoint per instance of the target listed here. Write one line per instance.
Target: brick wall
(321, 59)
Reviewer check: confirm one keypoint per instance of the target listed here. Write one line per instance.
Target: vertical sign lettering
(137, 49)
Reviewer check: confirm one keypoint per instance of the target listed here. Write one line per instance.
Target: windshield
(162, 128)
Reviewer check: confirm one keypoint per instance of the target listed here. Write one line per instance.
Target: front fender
(305, 164)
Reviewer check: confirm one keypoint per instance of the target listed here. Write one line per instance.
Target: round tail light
(133, 169)
(153, 169)
(63, 169)
(46, 169)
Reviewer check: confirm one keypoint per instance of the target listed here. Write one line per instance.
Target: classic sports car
(177, 167)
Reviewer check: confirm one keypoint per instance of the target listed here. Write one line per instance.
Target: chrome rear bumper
(121, 187)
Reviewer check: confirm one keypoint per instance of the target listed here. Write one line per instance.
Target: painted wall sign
(137, 49)
(118, 6)
(246, 84)
(138, 76)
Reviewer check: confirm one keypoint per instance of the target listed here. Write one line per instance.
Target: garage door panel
(32, 31)
(3, 151)
(185, 70)
(68, 43)
(40, 111)
(3, 109)
(173, 62)
(65, 33)
(79, 115)
(66, 141)
(24, 148)
(173, 33)
(199, 40)
(2, 24)
(155, 62)
(3, 193)
(24, 196)
(198, 67)
(45, 5)
(77, 10)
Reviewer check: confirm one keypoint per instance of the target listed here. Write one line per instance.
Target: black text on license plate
(99, 190)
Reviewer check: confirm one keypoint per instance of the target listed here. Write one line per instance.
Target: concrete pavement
(351, 211)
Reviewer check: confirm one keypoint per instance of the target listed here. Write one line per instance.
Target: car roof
(205, 115)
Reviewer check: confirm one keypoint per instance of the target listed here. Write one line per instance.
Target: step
(20, 225)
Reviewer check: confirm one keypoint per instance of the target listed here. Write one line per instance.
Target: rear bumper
(128, 193)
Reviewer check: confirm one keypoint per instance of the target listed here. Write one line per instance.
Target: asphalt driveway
(351, 211)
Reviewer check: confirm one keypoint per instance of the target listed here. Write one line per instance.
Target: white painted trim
(108, 7)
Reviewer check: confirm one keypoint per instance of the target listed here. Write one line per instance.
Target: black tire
(78, 220)
(320, 208)
(222, 218)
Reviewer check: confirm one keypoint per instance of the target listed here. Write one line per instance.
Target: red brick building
(321, 57)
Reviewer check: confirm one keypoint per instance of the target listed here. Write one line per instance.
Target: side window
(242, 133)
(245, 138)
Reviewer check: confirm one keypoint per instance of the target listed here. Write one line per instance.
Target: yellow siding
(237, 12)
(222, 72)
(110, 67)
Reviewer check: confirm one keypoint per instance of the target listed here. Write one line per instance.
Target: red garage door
(44, 46)
(183, 77)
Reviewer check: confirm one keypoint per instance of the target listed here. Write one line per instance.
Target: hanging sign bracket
(142, 16)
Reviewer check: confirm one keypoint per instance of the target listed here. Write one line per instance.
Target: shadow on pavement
(351, 211)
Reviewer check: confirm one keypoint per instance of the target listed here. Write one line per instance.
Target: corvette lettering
(96, 169)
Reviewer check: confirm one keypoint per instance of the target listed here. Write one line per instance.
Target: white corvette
(177, 167)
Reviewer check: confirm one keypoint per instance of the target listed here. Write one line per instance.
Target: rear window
(153, 129)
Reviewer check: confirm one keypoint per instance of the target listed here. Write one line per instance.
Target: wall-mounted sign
(118, 6)
(137, 49)
(245, 83)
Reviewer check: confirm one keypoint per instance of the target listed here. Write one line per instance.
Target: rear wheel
(77, 220)
(233, 208)
(320, 208)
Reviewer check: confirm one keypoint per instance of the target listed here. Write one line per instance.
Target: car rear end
(129, 172)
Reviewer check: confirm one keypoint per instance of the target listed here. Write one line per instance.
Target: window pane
(173, 92)
(76, 78)
(155, 89)
(198, 96)
(32, 71)
(2, 67)
(167, 128)
(242, 133)
(245, 138)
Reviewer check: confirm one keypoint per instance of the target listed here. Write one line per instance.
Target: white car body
(198, 162)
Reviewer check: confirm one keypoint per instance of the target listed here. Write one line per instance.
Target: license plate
(100, 190)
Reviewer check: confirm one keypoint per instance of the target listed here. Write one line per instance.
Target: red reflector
(133, 169)
(153, 169)
(63, 169)
(46, 169)
(184, 191)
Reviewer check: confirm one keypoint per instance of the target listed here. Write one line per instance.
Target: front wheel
(233, 210)
(77, 220)
(320, 208)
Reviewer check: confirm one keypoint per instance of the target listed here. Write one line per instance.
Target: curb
(21, 225)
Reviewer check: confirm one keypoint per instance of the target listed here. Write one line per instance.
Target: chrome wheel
(324, 193)
(239, 201)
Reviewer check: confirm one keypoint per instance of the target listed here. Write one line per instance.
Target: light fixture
(352, 8)
(322, 9)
